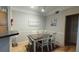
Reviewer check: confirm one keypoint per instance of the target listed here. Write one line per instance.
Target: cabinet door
(3, 29)
(3, 18)
(3, 22)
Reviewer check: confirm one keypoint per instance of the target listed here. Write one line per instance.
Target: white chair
(52, 41)
(30, 44)
(44, 42)
(30, 39)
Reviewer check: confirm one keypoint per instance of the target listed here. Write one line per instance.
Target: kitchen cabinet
(3, 22)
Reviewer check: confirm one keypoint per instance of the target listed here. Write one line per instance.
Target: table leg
(34, 46)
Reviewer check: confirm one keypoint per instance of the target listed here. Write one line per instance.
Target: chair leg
(48, 47)
(51, 46)
(42, 48)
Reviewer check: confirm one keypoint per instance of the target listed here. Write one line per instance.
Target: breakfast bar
(5, 40)
(8, 34)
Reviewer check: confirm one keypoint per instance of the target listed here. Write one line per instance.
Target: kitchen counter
(8, 34)
(5, 40)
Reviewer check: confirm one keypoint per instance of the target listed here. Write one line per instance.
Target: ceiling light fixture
(32, 7)
(43, 10)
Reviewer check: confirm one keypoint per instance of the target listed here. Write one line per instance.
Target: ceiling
(48, 9)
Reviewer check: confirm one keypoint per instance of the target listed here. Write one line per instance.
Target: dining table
(37, 37)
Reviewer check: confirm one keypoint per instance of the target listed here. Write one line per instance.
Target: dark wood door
(71, 30)
(74, 28)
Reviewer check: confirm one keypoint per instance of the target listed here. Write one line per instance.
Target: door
(71, 30)
(74, 28)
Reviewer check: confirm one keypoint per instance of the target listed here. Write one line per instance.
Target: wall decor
(54, 22)
(11, 22)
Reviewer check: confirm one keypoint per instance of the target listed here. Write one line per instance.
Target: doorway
(71, 28)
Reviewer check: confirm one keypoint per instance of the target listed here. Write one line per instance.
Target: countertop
(8, 34)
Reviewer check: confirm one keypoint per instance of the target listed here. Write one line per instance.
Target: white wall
(21, 23)
(60, 28)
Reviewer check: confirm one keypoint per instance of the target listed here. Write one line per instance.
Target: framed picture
(54, 22)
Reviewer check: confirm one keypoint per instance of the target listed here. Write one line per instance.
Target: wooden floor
(19, 48)
(22, 47)
(66, 49)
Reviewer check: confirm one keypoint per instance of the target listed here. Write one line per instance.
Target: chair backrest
(46, 39)
(30, 39)
(53, 37)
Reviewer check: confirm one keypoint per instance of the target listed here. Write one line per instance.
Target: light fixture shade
(43, 10)
(32, 7)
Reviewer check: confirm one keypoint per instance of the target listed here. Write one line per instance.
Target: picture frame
(54, 22)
